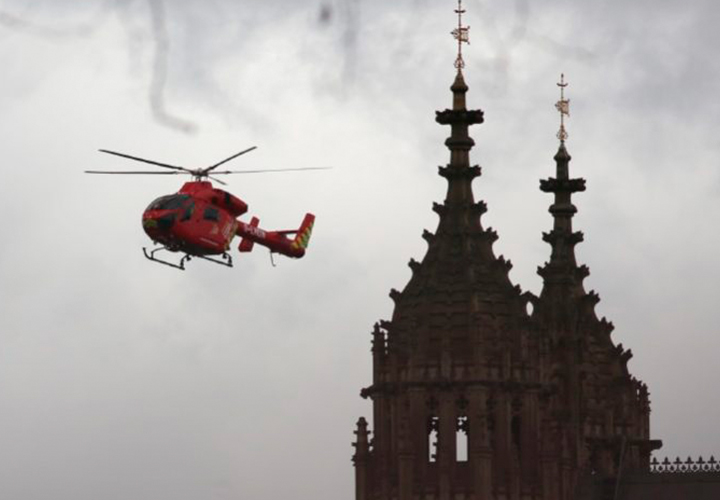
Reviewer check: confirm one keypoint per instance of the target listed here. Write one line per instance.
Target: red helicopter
(201, 220)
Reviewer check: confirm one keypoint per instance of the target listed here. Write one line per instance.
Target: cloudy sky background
(120, 379)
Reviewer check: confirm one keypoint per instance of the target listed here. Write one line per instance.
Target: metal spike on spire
(563, 106)
(462, 35)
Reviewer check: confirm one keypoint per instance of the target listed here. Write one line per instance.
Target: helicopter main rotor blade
(208, 169)
(217, 180)
(269, 170)
(131, 173)
(158, 164)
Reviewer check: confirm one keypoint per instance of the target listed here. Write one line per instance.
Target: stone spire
(460, 261)
(562, 276)
(454, 364)
(360, 458)
(459, 117)
(597, 410)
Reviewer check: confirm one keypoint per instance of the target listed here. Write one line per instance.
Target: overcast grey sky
(120, 379)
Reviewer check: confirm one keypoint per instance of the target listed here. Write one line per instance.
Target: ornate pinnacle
(562, 268)
(361, 444)
(459, 117)
(462, 35)
(563, 106)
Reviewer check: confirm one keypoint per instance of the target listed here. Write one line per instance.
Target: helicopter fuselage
(201, 220)
(197, 220)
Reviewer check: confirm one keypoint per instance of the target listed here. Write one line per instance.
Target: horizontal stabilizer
(246, 244)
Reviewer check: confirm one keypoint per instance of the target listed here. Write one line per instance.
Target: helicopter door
(225, 225)
(212, 227)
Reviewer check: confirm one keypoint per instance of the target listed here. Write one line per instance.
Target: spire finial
(563, 106)
(461, 35)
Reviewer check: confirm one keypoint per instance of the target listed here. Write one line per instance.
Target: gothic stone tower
(596, 416)
(475, 399)
(455, 378)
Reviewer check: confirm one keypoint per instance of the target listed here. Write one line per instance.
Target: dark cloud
(160, 71)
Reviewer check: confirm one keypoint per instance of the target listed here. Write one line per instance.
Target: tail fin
(246, 244)
(302, 238)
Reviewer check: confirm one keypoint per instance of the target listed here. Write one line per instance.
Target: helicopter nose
(166, 221)
(160, 223)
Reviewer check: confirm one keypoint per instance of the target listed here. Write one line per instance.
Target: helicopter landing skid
(151, 256)
(226, 259)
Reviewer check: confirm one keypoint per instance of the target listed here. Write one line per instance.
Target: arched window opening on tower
(432, 439)
(461, 440)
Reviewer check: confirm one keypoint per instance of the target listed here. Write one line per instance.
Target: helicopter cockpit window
(211, 214)
(189, 209)
(169, 202)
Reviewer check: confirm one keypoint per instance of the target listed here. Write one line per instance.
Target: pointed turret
(562, 277)
(596, 404)
(460, 274)
(454, 383)
(360, 458)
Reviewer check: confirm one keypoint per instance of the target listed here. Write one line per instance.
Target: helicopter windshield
(169, 202)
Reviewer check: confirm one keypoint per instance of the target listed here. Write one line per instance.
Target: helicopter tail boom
(276, 241)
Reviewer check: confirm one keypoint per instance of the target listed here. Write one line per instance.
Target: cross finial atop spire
(563, 106)
(461, 34)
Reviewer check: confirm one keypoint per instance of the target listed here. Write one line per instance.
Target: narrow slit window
(432, 439)
(461, 440)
